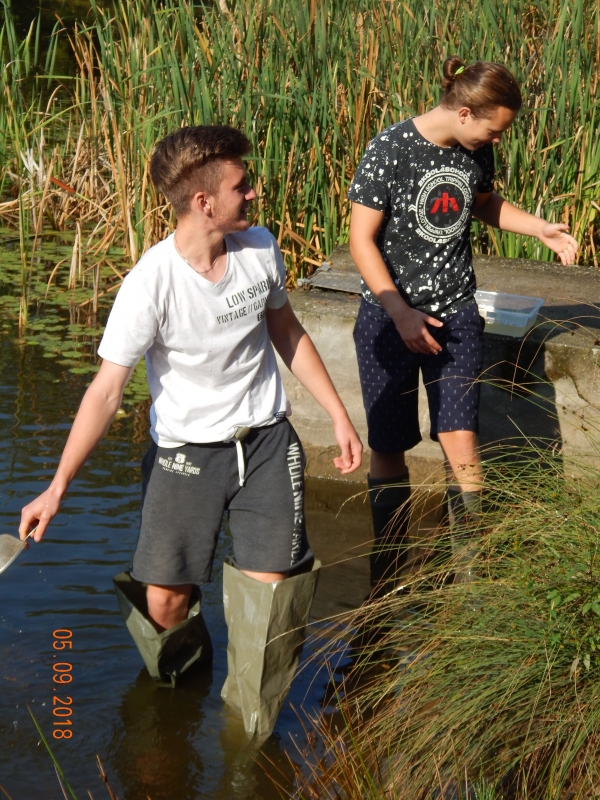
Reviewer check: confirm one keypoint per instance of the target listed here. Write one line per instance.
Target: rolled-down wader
(169, 654)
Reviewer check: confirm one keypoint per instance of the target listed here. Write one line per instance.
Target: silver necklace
(199, 271)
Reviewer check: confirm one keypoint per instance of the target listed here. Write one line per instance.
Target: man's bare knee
(266, 577)
(168, 605)
(460, 444)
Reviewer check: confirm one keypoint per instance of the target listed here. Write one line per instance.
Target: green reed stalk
(311, 84)
(23, 118)
(493, 682)
(51, 754)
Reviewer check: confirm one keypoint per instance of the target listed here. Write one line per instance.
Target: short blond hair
(189, 160)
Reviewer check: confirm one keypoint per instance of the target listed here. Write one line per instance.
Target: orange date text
(62, 674)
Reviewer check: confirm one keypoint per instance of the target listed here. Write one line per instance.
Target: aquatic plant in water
(62, 779)
(310, 83)
(491, 686)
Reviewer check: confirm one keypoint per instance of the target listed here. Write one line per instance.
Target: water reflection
(153, 742)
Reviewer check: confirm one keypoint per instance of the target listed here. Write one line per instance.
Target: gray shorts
(186, 491)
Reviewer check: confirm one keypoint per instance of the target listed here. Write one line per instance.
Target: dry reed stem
(104, 779)
(61, 784)
(311, 85)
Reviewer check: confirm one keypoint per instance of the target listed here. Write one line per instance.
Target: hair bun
(451, 65)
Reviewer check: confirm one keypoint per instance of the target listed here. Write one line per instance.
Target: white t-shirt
(209, 359)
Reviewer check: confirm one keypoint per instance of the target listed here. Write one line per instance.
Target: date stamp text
(62, 675)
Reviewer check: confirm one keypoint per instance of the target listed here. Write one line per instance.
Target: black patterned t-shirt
(427, 193)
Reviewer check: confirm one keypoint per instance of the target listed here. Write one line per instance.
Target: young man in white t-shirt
(205, 307)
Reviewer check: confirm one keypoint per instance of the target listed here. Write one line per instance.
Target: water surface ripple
(157, 743)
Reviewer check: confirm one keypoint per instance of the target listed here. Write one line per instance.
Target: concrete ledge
(544, 389)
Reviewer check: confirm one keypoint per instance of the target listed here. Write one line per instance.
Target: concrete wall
(545, 387)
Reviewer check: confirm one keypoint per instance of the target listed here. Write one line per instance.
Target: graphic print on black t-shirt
(427, 194)
(441, 206)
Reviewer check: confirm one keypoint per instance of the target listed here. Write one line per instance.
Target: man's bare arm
(494, 210)
(96, 412)
(300, 356)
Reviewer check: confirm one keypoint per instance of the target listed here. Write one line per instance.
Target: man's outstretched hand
(39, 512)
(96, 412)
(350, 445)
(556, 236)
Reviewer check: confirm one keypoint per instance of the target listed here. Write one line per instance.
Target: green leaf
(52, 756)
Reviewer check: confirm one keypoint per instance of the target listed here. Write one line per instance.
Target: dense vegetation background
(311, 83)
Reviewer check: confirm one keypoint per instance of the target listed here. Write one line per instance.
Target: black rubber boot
(390, 510)
(464, 518)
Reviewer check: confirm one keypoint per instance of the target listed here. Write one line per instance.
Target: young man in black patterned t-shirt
(413, 196)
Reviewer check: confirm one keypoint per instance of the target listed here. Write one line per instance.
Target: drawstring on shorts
(239, 435)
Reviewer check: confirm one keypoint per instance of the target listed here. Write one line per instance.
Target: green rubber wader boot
(390, 510)
(266, 627)
(464, 515)
(169, 654)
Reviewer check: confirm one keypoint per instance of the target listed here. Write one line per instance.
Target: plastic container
(508, 314)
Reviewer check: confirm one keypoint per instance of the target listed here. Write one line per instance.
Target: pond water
(154, 743)
(49, 11)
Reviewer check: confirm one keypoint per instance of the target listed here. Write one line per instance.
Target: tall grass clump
(310, 83)
(489, 688)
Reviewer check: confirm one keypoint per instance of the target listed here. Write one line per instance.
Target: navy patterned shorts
(389, 377)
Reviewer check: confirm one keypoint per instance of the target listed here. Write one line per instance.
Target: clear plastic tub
(508, 314)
